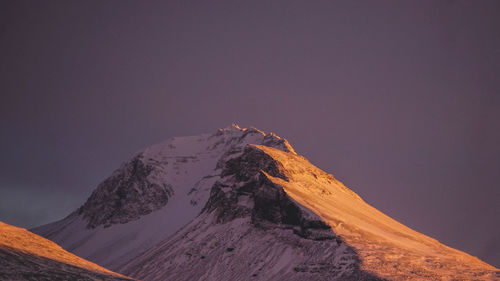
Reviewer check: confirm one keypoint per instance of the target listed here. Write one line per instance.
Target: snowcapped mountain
(151, 196)
(27, 256)
(240, 204)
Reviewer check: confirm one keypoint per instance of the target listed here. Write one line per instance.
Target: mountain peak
(232, 128)
(253, 135)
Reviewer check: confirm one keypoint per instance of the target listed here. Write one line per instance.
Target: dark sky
(399, 100)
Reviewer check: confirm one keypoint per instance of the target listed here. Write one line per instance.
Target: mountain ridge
(27, 256)
(255, 180)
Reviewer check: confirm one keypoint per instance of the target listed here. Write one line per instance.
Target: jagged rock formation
(27, 256)
(131, 192)
(242, 205)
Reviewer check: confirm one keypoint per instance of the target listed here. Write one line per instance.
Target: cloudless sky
(400, 100)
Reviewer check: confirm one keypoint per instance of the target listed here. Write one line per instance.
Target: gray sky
(399, 100)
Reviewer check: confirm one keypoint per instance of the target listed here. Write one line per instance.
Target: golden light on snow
(385, 246)
(20, 239)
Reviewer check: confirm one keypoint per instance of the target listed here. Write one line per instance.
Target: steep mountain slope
(260, 209)
(251, 230)
(242, 205)
(27, 256)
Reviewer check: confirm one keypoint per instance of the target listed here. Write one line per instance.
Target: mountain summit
(241, 204)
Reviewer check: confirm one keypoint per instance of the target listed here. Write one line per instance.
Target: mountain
(241, 204)
(27, 256)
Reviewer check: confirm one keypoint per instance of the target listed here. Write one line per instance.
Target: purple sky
(400, 101)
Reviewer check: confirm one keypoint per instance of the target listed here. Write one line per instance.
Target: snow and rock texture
(242, 205)
(251, 230)
(27, 256)
(151, 196)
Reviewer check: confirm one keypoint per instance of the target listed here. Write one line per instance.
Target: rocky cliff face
(245, 191)
(132, 191)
